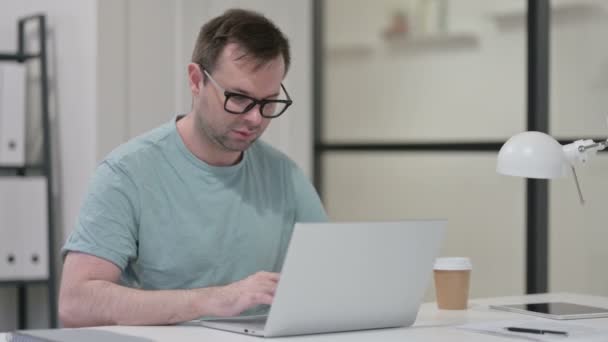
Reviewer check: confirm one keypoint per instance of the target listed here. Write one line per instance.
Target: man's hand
(232, 299)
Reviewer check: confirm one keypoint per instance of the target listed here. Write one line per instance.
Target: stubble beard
(220, 140)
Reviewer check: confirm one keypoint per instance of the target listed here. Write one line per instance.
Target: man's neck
(201, 147)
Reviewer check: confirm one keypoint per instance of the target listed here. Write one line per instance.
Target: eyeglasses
(236, 103)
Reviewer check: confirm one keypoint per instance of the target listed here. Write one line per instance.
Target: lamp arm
(598, 145)
(579, 151)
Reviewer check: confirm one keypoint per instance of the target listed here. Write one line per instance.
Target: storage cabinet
(26, 215)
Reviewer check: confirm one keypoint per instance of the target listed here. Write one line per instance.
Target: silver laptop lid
(352, 276)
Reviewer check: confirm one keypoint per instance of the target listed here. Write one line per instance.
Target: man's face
(236, 132)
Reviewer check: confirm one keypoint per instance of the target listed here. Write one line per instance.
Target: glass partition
(485, 211)
(457, 72)
(418, 96)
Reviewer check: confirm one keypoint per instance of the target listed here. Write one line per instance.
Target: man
(193, 218)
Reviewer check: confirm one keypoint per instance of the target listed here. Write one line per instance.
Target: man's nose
(254, 115)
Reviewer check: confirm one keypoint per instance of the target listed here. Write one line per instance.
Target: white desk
(432, 324)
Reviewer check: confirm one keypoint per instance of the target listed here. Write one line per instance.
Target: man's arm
(90, 296)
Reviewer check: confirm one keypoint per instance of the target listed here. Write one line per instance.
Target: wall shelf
(412, 43)
(16, 57)
(20, 283)
(434, 41)
(560, 13)
(353, 50)
(24, 168)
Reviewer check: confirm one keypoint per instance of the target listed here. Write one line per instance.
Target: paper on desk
(575, 332)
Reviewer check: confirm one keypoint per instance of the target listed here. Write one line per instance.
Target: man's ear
(195, 78)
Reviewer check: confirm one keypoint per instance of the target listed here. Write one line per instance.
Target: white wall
(72, 45)
(579, 106)
(579, 69)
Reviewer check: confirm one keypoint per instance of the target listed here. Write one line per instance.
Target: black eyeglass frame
(254, 102)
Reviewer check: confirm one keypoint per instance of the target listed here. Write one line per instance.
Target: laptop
(347, 276)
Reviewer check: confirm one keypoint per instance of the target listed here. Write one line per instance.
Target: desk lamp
(538, 155)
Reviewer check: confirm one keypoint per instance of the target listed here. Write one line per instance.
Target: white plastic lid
(453, 264)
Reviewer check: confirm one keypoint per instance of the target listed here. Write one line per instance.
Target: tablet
(555, 310)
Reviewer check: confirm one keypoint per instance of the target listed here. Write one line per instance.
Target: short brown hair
(258, 36)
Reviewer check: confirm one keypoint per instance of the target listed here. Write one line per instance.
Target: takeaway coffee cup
(452, 278)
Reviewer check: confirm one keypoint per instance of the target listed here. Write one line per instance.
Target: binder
(23, 222)
(12, 114)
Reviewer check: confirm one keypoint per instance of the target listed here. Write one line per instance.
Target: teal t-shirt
(171, 221)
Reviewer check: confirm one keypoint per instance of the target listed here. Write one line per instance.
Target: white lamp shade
(532, 155)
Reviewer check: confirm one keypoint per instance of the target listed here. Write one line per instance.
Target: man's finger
(263, 298)
(265, 286)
